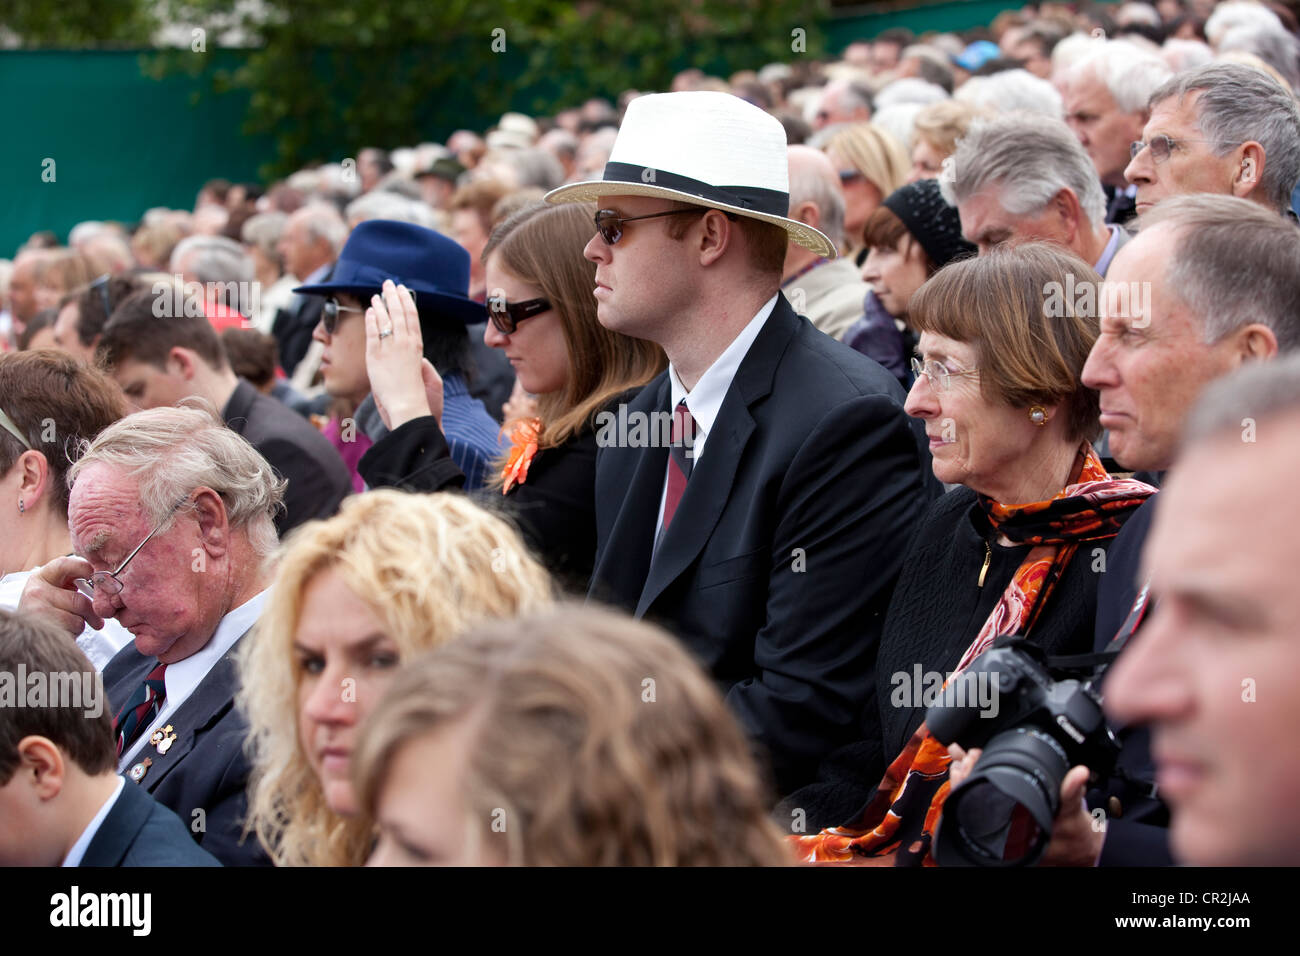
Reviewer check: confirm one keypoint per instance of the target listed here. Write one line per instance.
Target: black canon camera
(1046, 721)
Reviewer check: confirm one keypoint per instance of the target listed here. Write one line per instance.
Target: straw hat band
(772, 202)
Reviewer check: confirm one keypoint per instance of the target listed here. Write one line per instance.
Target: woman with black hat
(911, 236)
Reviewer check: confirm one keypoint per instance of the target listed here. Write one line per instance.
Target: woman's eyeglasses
(329, 314)
(610, 224)
(940, 377)
(506, 316)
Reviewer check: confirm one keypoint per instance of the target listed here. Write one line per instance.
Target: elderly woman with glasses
(1015, 549)
(543, 317)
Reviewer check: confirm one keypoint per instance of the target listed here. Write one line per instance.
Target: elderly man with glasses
(171, 519)
(1222, 128)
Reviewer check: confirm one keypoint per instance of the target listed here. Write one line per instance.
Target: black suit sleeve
(413, 456)
(314, 489)
(849, 504)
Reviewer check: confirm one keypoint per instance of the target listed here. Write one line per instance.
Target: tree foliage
(326, 77)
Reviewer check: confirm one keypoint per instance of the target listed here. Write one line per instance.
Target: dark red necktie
(141, 709)
(681, 456)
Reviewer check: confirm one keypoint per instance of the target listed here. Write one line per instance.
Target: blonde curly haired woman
(391, 575)
(573, 737)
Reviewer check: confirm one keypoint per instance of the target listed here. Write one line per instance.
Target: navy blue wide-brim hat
(435, 267)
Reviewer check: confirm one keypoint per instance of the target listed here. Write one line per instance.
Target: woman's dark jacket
(936, 612)
(554, 508)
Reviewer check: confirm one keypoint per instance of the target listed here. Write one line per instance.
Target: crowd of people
(640, 485)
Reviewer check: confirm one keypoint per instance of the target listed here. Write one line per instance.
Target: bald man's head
(816, 196)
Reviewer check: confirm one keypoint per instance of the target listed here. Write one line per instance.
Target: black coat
(554, 508)
(1139, 834)
(937, 610)
(206, 767)
(318, 479)
(139, 831)
(782, 555)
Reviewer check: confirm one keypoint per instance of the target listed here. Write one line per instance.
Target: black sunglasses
(506, 316)
(610, 224)
(329, 314)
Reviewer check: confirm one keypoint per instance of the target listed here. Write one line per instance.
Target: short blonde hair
(942, 124)
(874, 153)
(428, 566)
(599, 736)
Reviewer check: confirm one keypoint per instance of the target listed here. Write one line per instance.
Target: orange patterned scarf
(896, 826)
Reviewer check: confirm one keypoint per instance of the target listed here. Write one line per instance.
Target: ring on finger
(384, 334)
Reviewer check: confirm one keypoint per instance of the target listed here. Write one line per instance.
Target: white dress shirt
(184, 676)
(83, 842)
(99, 646)
(704, 401)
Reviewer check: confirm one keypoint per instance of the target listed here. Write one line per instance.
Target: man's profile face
(1103, 129)
(986, 223)
(1150, 362)
(147, 386)
(643, 277)
(65, 334)
(1192, 166)
(1212, 668)
(163, 602)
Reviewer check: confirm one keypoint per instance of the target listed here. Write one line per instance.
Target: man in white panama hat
(769, 533)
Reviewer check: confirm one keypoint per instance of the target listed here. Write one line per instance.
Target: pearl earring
(1038, 415)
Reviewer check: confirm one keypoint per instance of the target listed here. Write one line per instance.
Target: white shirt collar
(705, 399)
(184, 676)
(83, 842)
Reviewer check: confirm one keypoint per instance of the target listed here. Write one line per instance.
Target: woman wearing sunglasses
(543, 317)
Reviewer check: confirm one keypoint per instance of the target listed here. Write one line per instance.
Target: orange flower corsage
(523, 439)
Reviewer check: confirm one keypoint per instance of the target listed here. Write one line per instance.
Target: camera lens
(1002, 813)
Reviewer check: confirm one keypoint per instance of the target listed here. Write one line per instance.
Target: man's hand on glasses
(52, 596)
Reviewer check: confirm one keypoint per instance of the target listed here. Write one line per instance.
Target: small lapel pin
(137, 772)
(163, 739)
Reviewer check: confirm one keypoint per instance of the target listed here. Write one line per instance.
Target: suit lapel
(119, 829)
(209, 703)
(714, 475)
(638, 478)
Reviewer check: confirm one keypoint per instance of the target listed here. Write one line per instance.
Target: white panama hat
(710, 149)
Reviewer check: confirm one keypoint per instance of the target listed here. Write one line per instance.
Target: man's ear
(1256, 342)
(214, 526)
(718, 234)
(182, 362)
(40, 763)
(807, 213)
(1067, 207)
(1246, 175)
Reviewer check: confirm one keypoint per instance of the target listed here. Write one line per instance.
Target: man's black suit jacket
(206, 767)
(782, 555)
(140, 831)
(294, 325)
(318, 479)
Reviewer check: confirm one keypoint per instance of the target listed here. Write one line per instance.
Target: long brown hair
(542, 244)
